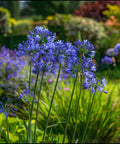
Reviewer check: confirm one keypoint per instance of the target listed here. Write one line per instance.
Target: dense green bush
(89, 28)
(37, 17)
(22, 28)
(113, 37)
(5, 21)
(56, 23)
(52, 7)
(11, 41)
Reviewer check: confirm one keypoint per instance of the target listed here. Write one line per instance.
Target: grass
(104, 121)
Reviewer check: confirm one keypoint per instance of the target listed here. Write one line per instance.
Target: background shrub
(5, 21)
(94, 10)
(113, 10)
(22, 28)
(12, 41)
(37, 17)
(100, 35)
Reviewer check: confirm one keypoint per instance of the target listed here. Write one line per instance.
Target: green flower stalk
(28, 135)
(31, 110)
(51, 103)
(65, 132)
(69, 109)
(7, 129)
(37, 108)
(88, 118)
(30, 74)
(77, 108)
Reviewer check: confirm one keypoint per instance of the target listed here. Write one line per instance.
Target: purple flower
(87, 68)
(26, 96)
(35, 41)
(9, 76)
(85, 47)
(5, 109)
(66, 89)
(107, 60)
(111, 52)
(117, 49)
(14, 74)
(50, 80)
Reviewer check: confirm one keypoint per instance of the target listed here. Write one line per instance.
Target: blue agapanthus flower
(117, 49)
(26, 96)
(36, 41)
(107, 60)
(40, 45)
(87, 68)
(85, 47)
(7, 108)
(47, 54)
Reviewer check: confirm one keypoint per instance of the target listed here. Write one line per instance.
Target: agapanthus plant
(6, 108)
(40, 46)
(83, 63)
(48, 56)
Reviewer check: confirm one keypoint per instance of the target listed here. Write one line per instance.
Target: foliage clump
(5, 21)
(94, 10)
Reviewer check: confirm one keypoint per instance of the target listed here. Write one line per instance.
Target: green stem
(37, 109)
(31, 110)
(29, 92)
(77, 109)
(88, 119)
(24, 137)
(108, 70)
(30, 74)
(26, 129)
(68, 116)
(88, 106)
(7, 129)
(51, 104)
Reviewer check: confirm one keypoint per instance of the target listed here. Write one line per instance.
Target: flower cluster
(26, 96)
(111, 52)
(41, 47)
(36, 41)
(6, 108)
(107, 60)
(88, 68)
(10, 66)
(47, 54)
(117, 49)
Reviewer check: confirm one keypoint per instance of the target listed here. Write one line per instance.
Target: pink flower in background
(108, 32)
(114, 104)
(50, 80)
(66, 89)
(112, 17)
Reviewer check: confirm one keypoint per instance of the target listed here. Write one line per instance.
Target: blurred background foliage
(92, 19)
(99, 22)
(6, 21)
